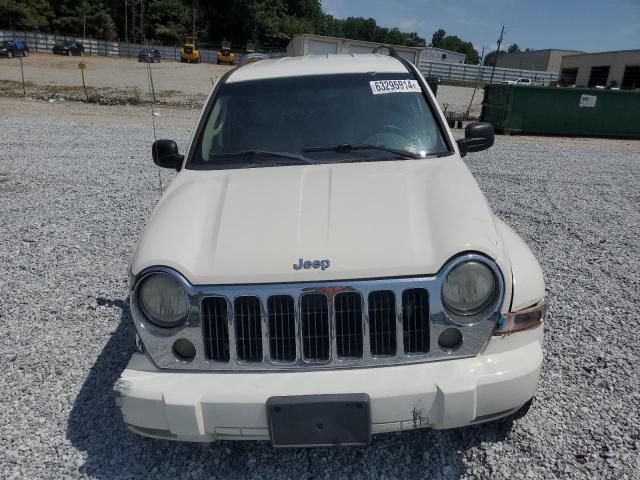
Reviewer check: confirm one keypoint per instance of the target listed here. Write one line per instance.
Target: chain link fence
(40, 42)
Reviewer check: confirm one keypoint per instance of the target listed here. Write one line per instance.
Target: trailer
(301, 45)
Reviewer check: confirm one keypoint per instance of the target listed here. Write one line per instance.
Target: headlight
(163, 300)
(469, 288)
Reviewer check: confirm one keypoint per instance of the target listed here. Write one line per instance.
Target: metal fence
(44, 42)
(482, 74)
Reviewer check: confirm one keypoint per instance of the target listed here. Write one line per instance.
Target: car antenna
(152, 94)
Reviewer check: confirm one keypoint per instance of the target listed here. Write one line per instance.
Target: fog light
(184, 350)
(450, 339)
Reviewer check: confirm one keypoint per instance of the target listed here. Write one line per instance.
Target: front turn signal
(521, 320)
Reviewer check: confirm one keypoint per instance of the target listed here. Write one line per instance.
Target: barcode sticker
(379, 87)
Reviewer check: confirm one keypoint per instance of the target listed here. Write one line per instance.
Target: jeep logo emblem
(307, 264)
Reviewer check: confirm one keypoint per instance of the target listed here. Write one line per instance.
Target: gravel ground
(45, 73)
(458, 99)
(173, 81)
(76, 186)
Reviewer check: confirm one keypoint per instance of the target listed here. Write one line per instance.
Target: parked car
(324, 266)
(149, 55)
(13, 48)
(70, 47)
(253, 58)
(525, 82)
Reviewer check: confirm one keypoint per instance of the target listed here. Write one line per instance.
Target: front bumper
(208, 406)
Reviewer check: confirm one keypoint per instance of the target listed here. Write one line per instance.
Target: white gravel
(76, 186)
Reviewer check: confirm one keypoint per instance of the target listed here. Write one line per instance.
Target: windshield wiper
(291, 157)
(350, 147)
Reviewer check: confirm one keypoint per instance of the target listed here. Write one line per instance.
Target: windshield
(323, 118)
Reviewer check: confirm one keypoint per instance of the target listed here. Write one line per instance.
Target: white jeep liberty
(324, 267)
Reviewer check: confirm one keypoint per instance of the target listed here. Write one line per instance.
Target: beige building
(542, 60)
(320, 45)
(606, 69)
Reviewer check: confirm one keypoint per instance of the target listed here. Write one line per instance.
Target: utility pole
(133, 20)
(476, 86)
(493, 70)
(141, 21)
(195, 9)
(84, 20)
(126, 24)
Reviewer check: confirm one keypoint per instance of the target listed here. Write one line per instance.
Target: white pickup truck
(324, 267)
(525, 82)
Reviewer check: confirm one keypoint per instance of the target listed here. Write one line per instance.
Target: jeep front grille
(415, 320)
(382, 323)
(282, 328)
(314, 318)
(248, 325)
(329, 326)
(349, 325)
(215, 332)
(321, 325)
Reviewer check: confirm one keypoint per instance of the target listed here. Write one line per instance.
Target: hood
(355, 220)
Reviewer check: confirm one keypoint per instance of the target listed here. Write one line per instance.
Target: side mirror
(165, 154)
(477, 136)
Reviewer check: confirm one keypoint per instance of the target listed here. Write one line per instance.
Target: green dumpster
(562, 111)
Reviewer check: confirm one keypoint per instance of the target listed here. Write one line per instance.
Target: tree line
(266, 23)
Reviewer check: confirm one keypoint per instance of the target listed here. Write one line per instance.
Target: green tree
(25, 14)
(456, 44)
(438, 38)
(412, 39)
(394, 36)
(310, 10)
(359, 28)
(490, 58)
(166, 19)
(292, 26)
(513, 48)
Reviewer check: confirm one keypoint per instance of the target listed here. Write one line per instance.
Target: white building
(318, 44)
(432, 54)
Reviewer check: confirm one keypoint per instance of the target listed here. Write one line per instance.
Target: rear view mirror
(165, 154)
(477, 136)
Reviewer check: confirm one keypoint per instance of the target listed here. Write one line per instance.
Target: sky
(587, 25)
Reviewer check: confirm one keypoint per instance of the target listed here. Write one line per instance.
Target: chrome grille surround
(159, 344)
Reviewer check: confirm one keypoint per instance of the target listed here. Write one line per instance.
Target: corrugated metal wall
(478, 73)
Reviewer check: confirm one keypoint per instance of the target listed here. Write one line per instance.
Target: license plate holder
(319, 420)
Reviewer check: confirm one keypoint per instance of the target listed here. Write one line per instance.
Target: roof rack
(392, 50)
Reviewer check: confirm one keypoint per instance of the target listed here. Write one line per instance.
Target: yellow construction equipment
(225, 55)
(189, 53)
